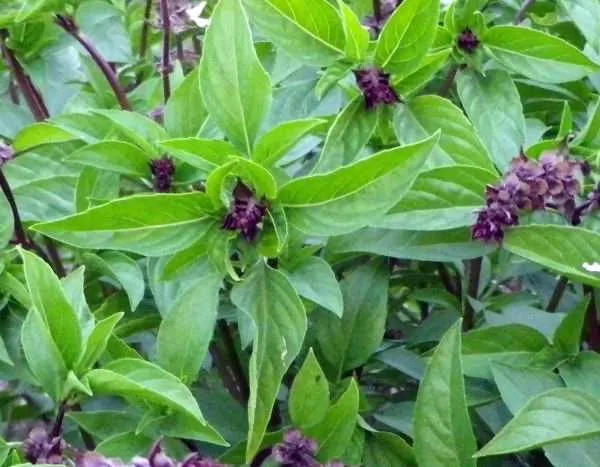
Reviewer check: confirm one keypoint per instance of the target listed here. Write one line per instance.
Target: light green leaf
(563, 249)
(185, 113)
(440, 199)
(553, 416)
(7, 221)
(357, 36)
(115, 156)
(121, 268)
(38, 134)
(349, 342)
(458, 144)
(494, 106)
(314, 279)
(280, 320)
(275, 144)
(443, 433)
(93, 185)
(311, 32)
(151, 225)
(205, 154)
(407, 36)
(334, 433)
(185, 333)
(347, 136)
(582, 372)
(538, 55)
(146, 382)
(356, 195)
(388, 449)
(43, 357)
(586, 16)
(567, 337)
(97, 341)
(234, 86)
(309, 395)
(50, 302)
(408, 84)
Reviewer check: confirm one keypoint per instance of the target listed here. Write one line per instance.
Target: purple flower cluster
(42, 448)
(299, 451)
(162, 170)
(552, 182)
(376, 22)
(468, 41)
(591, 204)
(156, 458)
(375, 86)
(246, 213)
(6, 153)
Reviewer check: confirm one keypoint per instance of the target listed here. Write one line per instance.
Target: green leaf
(185, 333)
(334, 433)
(356, 195)
(349, 342)
(443, 245)
(4, 355)
(563, 249)
(43, 357)
(93, 185)
(357, 36)
(443, 434)
(586, 15)
(553, 416)
(406, 37)
(567, 337)
(105, 423)
(347, 136)
(589, 135)
(205, 154)
(121, 268)
(115, 156)
(38, 134)
(314, 279)
(311, 32)
(582, 372)
(458, 144)
(408, 84)
(97, 341)
(510, 344)
(133, 128)
(383, 448)
(234, 86)
(494, 106)
(440, 199)
(537, 55)
(309, 395)
(280, 320)
(151, 225)
(146, 382)
(49, 300)
(185, 113)
(7, 221)
(277, 142)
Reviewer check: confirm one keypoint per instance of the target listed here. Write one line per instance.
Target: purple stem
(166, 46)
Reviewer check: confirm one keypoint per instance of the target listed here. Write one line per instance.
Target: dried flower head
(41, 448)
(246, 213)
(375, 86)
(162, 170)
(468, 41)
(6, 153)
(296, 450)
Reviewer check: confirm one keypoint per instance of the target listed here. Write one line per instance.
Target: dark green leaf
(309, 395)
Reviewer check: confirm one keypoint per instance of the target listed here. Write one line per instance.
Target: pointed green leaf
(357, 35)
(383, 448)
(115, 156)
(567, 337)
(443, 433)
(97, 341)
(309, 395)
(185, 113)
(202, 153)
(234, 86)
(280, 320)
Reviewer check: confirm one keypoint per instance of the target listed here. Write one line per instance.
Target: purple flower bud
(93, 459)
(246, 213)
(375, 86)
(493, 220)
(162, 173)
(158, 114)
(296, 451)
(158, 458)
(40, 448)
(195, 460)
(468, 41)
(6, 153)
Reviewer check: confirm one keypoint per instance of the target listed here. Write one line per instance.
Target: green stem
(557, 294)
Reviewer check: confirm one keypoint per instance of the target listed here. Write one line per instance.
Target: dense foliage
(300, 233)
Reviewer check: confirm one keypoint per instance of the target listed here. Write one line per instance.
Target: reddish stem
(166, 48)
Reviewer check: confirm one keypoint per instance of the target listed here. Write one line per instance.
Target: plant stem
(180, 52)
(473, 271)
(69, 26)
(19, 230)
(145, 29)
(449, 81)
(229, 365)
(58, 421)
(377, 9)
(13, 92)
(593, 328)
(166, 48)
(523, 11)
(22, 80)
(197, 44)
(445, 277)
(557, 295)
(55, 257)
